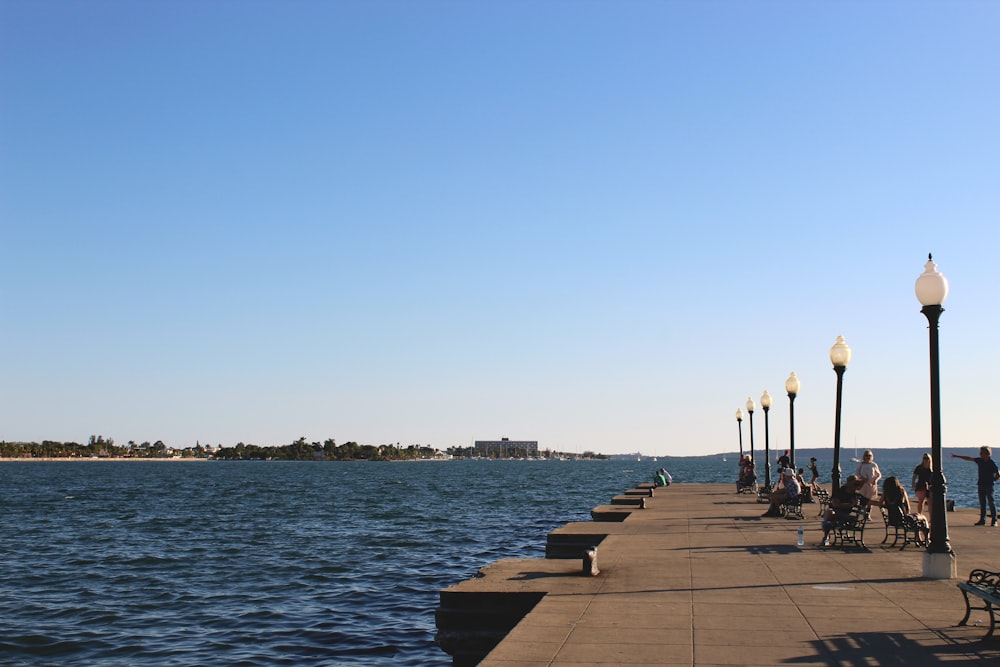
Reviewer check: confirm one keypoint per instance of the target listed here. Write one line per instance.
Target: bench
(764, 494)
(792, 508)
(742, 487)
(849, 529)
(823, 498)
(912, 530)
(985, 585)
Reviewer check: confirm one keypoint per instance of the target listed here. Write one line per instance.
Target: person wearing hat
(788, 489)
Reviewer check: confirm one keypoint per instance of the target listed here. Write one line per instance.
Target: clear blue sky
(601, 225)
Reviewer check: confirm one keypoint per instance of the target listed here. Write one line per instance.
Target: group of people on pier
(861, 490)
(791, 482)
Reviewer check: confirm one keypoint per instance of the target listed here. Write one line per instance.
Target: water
(145, 563)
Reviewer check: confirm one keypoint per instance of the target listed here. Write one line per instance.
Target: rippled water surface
(262, 563)
(275, 563)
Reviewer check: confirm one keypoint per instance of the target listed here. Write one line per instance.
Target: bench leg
(993, 620)
(968, 608)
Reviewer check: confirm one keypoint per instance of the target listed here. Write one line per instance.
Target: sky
(601, 225)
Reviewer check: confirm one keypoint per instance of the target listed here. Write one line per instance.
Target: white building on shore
(504, 448)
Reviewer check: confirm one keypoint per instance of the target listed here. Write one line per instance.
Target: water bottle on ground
(802, 536)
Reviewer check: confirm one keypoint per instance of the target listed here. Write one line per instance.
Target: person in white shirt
(869, 474)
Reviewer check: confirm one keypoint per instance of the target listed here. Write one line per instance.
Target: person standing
(988, 474)
(814, 470)
(869, 474)
(921, 483)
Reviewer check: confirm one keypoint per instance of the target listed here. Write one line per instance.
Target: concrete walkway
(698, 577)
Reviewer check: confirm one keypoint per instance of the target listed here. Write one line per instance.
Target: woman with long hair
(897, 505)
(921, 483)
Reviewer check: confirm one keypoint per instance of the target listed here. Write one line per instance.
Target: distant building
(506, 448)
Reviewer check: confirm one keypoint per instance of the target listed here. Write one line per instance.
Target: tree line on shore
(328, 450)
(300, 450)
(98, 446)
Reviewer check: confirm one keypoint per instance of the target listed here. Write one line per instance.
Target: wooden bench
(849, 529)
(985, 585)
(911, 530)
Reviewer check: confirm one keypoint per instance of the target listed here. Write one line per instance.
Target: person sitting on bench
(748, 475)
(844, 499)
(806, 489)
(897, 504)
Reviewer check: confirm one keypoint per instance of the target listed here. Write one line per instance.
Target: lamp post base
(940, 565)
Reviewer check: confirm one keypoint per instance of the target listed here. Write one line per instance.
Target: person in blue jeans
(988, 474)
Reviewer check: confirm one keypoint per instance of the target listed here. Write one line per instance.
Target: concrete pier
(698, 577)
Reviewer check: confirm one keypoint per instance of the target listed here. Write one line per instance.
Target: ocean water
(283, 563)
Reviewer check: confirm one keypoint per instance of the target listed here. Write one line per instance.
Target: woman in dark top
(814, 470)
(922, 483)
(814, 481)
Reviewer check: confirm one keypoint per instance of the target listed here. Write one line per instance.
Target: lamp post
(739, 425)
(939, 560)
(792, 387)
(840, 355)
(765, 402)
(750, 407)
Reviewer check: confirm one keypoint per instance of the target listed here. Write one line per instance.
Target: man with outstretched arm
(988, 474)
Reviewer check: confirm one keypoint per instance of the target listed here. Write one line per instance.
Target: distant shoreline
(73, 459)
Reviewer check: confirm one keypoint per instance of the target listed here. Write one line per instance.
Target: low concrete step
(611, 512)
(638, 501)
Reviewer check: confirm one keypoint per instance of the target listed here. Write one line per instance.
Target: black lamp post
(739, 425)
(792, 387)
(840, 355)
(765, 402)
(750, 407)
(939, 560)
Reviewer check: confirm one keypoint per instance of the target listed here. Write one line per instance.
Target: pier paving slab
(698, 577)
